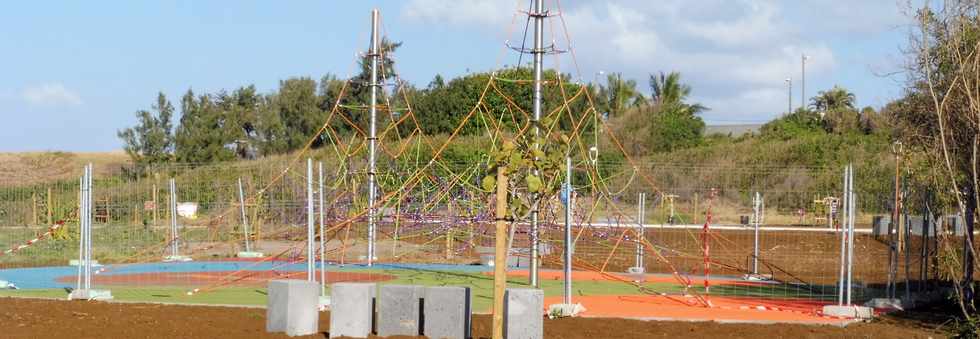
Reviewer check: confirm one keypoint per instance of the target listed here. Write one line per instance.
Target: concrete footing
(6, 285)
(565, 310)
(177, 258)
(523, 313)
(352, 309)
(399, 310)
(245, 254)
(90, 294)
(849, 311)
(292, 307)
(446, 312)
(76, 262)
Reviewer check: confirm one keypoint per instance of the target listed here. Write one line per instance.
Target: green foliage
(803, 122)
(673, 129)
(202, 136)
(151, 141)
(617, 96)
(833, 99)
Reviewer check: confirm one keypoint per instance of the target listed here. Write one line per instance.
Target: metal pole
(310, 254)
(81, 228)
(323, 257)
(241, 200)
(755, 246)
(850, 235)
(789, 91)
(174, 249)
(88, 228)
(843, 243)
(374, 54)
(641, 201)
(568, 230)
(803, 59)
(538, 53)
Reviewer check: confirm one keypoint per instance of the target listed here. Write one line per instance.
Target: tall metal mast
(372, 139)
(538, 15)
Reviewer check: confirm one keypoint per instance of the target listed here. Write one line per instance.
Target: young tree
(943, 119)
(151, 141)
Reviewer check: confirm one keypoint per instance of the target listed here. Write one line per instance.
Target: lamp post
(803, 60)
(789, 92)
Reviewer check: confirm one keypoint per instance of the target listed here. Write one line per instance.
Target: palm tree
(834, 98)
(670, 93)
(619, 95)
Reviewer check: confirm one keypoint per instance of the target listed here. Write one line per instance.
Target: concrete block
(292, 307)
(853, 311)
(352, 309)
(92, 294)
(885, 303)
(523, 313)
(399, 310)
(446, 312)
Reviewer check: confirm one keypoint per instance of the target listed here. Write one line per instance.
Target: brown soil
(30, 318)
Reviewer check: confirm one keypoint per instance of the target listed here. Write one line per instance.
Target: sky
(73, 73)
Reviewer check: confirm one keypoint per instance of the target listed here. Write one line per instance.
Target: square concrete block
(352, 309)
(446, 311)
(853, 311)
(523, 313)
(292, 307)
(399, 310)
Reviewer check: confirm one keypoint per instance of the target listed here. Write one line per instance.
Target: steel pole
(241, 201)
(173, 219)
(843, 243)
(803, 82)
(756, 221)
(641, 201)
(850, 235)
(538, 52)
(568, 231)
(323, 256)
(310, 254)
(81, 226)
(372, 138)
(88, 233)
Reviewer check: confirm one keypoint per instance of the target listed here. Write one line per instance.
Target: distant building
(733, 130)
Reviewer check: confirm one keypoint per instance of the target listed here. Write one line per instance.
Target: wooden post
(398, 216)
(500, 255)
(48, 206)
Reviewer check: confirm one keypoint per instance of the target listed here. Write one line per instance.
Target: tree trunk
(968, 253)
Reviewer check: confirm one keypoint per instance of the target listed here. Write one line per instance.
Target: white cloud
(51, 94)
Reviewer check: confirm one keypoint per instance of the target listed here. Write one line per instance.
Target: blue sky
(74, 72)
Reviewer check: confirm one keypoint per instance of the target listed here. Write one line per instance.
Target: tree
(203, 135)
(670, 94)
(940, 117)
(617, 96)
(151, 141)
(832, 99)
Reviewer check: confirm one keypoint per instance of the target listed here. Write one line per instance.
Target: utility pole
(538, 15)
(372, 138)
(789, 92)
(803, 60)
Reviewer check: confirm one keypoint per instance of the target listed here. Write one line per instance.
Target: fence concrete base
(292, 307)
(523, 313)
(352, 309)
(399, 310)
(853, 311)
(447, 313)
(93, 294)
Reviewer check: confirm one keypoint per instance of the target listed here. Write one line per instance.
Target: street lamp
(789, 86)
(803, 60)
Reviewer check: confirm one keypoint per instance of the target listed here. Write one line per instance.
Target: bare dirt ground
(32, 318)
